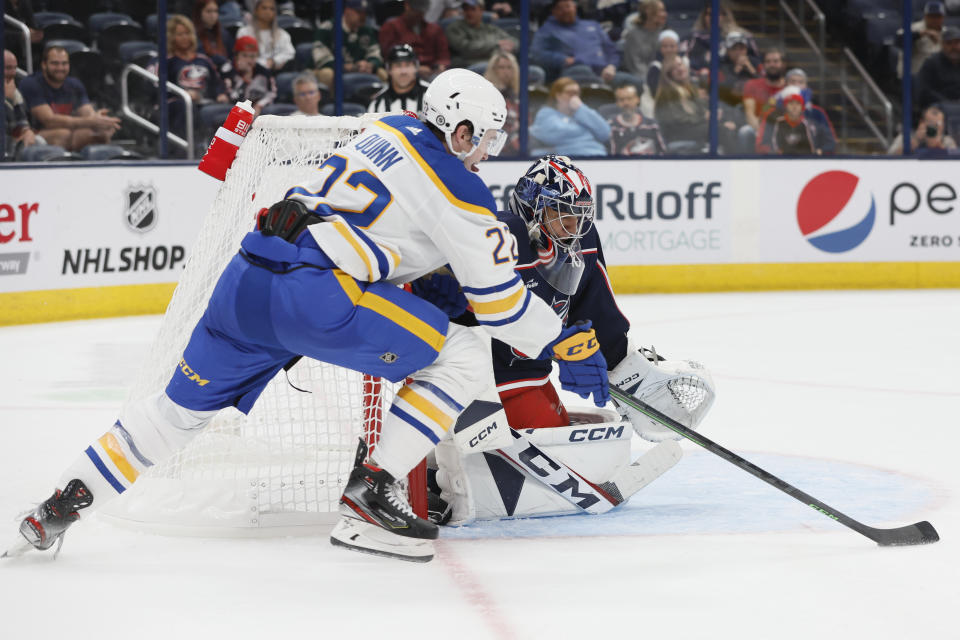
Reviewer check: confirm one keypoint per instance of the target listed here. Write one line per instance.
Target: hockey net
(285, 464)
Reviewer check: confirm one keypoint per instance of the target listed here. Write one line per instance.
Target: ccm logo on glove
(579, 346)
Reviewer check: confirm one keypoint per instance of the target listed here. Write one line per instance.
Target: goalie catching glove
(583, 369)
(681, 389)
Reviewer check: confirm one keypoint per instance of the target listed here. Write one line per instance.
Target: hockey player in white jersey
(318, 279)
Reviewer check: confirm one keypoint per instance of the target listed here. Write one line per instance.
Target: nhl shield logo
(140, 208)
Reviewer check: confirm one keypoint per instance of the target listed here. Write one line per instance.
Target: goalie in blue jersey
(318, 278)
(560, 259)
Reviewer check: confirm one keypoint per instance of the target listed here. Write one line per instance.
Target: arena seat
(304, 56)
(279, 109)
(46, 153)
(71, 46)
(102, 152)
(349, 109)
(97, 21)
(137, 52)
(360, 87)
(300, 30)
(61, 26)
(113, 34)
(285, 85)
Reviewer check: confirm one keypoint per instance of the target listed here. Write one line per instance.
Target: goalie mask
(555, 199)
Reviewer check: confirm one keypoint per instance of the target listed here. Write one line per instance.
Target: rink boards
(104, 240)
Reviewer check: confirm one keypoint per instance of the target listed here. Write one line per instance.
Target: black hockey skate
(45, 526)
(376, 517)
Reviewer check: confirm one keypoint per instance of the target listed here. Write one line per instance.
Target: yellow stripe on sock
(426, 407)
(111, 445)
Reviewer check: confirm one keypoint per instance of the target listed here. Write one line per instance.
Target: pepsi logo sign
(833, 214)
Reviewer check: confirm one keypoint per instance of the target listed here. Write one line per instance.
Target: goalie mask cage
(282, 467)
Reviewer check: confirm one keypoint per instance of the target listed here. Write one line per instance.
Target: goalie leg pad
(487, 486)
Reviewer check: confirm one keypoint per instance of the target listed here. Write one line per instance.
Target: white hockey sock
(424, 411)
(148, 432)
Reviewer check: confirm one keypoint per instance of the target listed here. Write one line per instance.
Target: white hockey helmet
(459, 95)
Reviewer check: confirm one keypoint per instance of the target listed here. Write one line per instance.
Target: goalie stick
(918, 533)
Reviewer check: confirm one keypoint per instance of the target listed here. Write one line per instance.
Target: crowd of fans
(613, 77)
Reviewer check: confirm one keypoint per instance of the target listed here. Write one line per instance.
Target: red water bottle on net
(226, 142)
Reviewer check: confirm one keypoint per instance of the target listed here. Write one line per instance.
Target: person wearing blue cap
(927, 37)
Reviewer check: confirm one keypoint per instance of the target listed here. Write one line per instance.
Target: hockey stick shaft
(919, 533)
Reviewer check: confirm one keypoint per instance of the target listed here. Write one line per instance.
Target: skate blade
(363, 537)
(18, 548)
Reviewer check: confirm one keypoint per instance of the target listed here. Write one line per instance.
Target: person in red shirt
(759, 94)
(427, 38)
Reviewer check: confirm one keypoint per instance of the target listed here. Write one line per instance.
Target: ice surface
(851, 396)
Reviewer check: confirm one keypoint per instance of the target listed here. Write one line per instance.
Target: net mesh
(287, 461)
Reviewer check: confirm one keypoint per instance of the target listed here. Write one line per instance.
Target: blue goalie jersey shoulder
(445, 170)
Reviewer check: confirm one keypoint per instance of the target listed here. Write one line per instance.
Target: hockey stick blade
(919, 533)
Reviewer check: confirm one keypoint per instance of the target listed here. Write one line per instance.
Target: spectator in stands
(306, 95)
(681, 110)
(212, 39)
(19, 133)
(426, 38)
(442, 10)
(188, 69)
(736, 68)
(630, 133)
(669, 48)
(472, 40)
(759, 94)
(641, 43)
(697, 44)
(930, 138)
(565, 40)
(797, 78)
(361, 46)
(276, 48)
(793, 134)
(927, 34)
(405, 89)
(567, 125)
(939, 77)
(247, 79)
(504, 73)
(59, 106)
